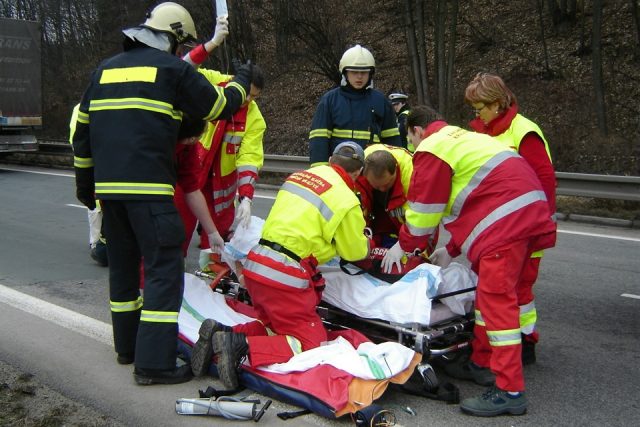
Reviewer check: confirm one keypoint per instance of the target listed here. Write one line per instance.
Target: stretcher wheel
(428, 375)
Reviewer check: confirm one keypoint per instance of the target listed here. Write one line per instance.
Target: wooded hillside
(573, 65)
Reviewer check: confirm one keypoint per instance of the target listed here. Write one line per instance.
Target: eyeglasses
(476, 110)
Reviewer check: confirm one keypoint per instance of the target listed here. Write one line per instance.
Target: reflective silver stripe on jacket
(501, 212)
(272, 273)
(248, 168)
(310, 197)
(475, 181)
(420, 231)
(230, 138)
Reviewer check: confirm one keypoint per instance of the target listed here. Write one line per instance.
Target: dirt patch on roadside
(26, 402)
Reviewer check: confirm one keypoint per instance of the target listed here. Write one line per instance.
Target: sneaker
(467, 370)
(203, 350)
(230, 348)
(125, 358)
(178, 375)
(528, 352)
(495, 402)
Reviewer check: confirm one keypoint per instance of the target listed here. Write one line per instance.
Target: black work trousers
(151, 230)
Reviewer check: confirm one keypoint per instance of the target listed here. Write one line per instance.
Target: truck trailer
(20, 85)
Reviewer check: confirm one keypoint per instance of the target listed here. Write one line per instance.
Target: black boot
(178, 375)
(528, 351)
(230, 348)
(203, 350)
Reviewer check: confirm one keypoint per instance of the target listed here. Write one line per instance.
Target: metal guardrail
(569, 184)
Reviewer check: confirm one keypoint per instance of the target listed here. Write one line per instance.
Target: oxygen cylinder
(231, 409)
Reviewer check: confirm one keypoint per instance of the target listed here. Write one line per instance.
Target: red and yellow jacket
(484, 194)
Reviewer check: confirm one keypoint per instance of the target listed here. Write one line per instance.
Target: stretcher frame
(439, 339)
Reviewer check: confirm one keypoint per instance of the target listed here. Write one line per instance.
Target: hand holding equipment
(221, 31)
(441, 257)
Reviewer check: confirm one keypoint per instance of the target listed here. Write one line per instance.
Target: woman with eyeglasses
(497, 114)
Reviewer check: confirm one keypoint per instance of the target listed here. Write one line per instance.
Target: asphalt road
(56, 322)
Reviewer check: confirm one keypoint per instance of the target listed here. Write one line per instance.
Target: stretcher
(430, 326)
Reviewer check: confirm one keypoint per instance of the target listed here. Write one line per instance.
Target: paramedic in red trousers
(353, 111)
(230, 150)
(124, 148)
(280, 272)
(492, 204)
(496, 111)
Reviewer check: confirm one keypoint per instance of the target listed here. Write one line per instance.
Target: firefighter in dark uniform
(401, 107)
(354, 111)
(124, 155)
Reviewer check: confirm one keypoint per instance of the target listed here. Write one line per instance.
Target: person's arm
(321, 128)
(82, 157)
(390, 134)
(251, 154)
(200, 53)
(428, 196)
(351, 243)
(533, 150)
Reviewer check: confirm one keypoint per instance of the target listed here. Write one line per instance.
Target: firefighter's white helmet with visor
(396, 97)
(172, 18)
(357, 58)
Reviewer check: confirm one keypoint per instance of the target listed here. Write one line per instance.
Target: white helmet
(172, 18)
(398, 97)
(357, 58)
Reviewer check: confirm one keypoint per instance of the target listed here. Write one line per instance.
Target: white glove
(221, 31)
(216, 242)
(441, 257)
(393, 256)
(243, 213)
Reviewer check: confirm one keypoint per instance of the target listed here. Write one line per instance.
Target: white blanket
(368, 361)
(405, 301)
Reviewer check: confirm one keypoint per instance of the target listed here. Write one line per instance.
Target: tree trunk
(440, 61)
(548, 72)
(636, 19)
(422, 51)
(412, 50)
(596, 66)
(451, 55)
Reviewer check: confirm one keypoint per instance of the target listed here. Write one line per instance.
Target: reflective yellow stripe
(126, 306)
(390, 132)
(220, 103)
(130, 74)
(159, 316)
(310, 197)
(319, 133)
(478, 318)
(83, 117)
(537, 254)
(83, 162)
(295, 344)
(504, 337)
(133, 188)
(135, 103)
(528, 318)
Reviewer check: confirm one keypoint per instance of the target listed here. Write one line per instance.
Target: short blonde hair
(489, 88)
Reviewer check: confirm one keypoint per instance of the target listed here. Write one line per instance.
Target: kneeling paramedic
(315, 216)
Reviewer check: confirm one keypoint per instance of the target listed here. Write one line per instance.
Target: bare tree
(596, 67)
(416, 48)
(540, 6)
(636, 19)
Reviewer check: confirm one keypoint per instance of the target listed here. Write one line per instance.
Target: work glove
(87, 198)
(441, 257)
(221, 31)
(243, 213)
(393, 256)
(244, 74)
(216, 243)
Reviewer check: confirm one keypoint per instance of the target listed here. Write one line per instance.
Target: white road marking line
(37, 172)
(76, 206)
(85, 325)
(604, 236)
(630, 296)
